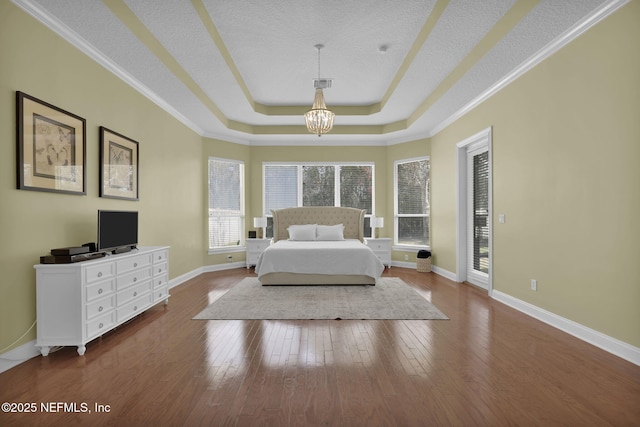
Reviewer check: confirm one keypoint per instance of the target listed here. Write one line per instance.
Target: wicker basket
(424, 265)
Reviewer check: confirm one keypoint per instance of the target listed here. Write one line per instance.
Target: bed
(321, 245)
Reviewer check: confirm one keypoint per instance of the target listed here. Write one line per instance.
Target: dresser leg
(44, 350)
(81, 350)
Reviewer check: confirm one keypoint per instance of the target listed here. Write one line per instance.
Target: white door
(474, 206)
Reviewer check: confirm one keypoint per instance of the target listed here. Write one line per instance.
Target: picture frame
(51, 147)
(119, 160)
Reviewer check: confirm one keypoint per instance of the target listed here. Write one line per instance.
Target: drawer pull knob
(99, 273)
(135, 294)
(100, 308)
(99, 291)
(135, 279)
(100, 325)
(135, 264)
(135, 307)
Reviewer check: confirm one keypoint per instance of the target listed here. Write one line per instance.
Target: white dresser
(81, 301)
(382, 248)
(254, 249)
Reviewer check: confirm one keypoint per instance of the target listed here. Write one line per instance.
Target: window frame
(406, 247)
(337, 176)
(241, 246)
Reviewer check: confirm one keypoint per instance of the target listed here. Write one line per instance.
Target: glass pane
(413, 187)
(481, 212)
(224, 230)
(224, 185)
(318, 186)
(280, 187)
(356, 187)
(413, 231)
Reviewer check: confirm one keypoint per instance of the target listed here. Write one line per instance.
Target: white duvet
(319, 257)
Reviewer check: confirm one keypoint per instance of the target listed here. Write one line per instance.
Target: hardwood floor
(489, 366)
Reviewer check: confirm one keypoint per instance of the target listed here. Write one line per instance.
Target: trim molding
(555, 45)
(598, 339)
(444, 273)
(18, 355)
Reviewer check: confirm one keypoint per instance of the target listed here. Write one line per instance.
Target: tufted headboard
(352, 218)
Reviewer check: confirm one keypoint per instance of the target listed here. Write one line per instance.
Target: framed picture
(118, 166)
(51, 144)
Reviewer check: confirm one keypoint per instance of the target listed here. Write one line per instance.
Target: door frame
(481, 138)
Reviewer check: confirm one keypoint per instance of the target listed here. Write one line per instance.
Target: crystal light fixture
(319, 119)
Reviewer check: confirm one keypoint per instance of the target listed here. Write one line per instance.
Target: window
(226, 204)
(411, 202)
(314, 184)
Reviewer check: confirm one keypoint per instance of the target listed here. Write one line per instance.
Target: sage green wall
(566, 144)
(38, 62)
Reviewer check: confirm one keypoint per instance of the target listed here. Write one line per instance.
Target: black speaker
(252, 234)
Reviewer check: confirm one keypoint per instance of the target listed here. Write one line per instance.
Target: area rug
(390, 298)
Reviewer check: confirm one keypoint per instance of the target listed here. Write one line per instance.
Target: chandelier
(319, 119)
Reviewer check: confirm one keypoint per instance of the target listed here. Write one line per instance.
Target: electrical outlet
(534, 285)
(406, 257)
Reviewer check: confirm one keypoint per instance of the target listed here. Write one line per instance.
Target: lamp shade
(260, 222)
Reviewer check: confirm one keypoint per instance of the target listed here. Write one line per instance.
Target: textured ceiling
(243, 71)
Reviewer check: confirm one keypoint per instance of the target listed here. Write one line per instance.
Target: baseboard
(206, 269)
(444, 273)
(183, 278)
(598, 339)
(18, 355)
(227, 266)
(403, 264)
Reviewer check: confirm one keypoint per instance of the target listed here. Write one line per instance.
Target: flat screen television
(117, 231)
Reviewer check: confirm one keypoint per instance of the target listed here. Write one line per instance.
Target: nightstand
(254, 249)
(382, 248)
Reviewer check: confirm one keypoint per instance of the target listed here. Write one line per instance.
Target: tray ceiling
(243, 71)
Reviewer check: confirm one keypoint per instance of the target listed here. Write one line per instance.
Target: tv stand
(122, 250)
(79, 302)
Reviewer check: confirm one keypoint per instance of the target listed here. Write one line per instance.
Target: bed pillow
(302, 232)
(330, 232)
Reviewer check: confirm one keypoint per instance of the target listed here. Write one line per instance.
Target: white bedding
(319, 257)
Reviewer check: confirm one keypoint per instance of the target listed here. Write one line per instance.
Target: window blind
(412, 202)
(479, 178)
(226, 207)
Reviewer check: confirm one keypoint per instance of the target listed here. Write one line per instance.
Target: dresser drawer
(160, 256)
(160, 281)
(161, 293)
(134, 307)
(100, 325)
(132, 263)
(159, 269)
(100, 306)
(133, 292)
(133, 278)
(99, 272)
(100, 289)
